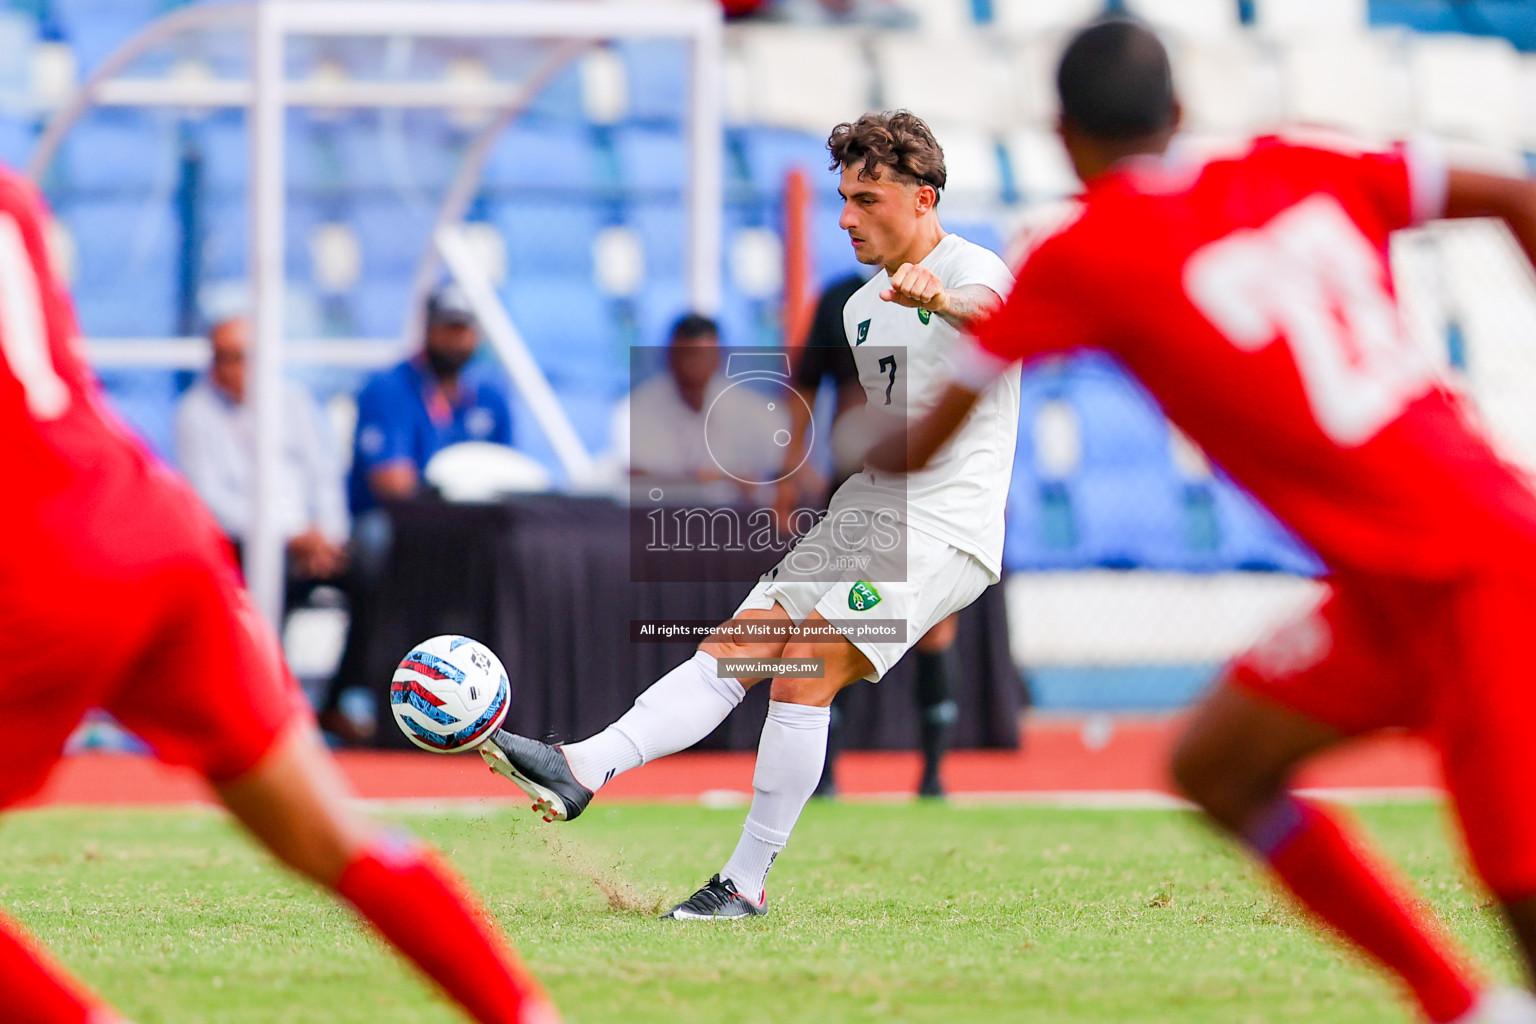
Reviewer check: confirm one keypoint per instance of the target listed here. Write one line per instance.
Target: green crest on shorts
(924, 315)
(863, 333)
(862, 596)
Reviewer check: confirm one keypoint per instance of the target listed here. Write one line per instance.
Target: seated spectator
(213, 446)
(661, 426)
(436, 398)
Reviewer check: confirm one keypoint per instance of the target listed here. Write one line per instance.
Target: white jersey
(904, 357)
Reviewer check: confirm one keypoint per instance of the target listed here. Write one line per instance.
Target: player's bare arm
(915, 286)
(910, 449)
(1471, 194)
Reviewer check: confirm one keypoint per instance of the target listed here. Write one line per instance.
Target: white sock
(789, 760)
(675, 712)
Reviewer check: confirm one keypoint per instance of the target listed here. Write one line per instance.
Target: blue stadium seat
(651, 161)
(94, 28)
(1121, 426)
(983, 233)
(557, 157)
(560, 99)
(120, 152)
(126, 258)
(1248, 537)
(227, 230)
(771, 152)
(393, 235)
(312, 156)
(377, 306)
(398, 151)
(17, 136)
(659, 75)
(571, 331)
(663, 230)
(831, 252)
(657, 308)
(548, 237)
(1130, 518)
(146, 401)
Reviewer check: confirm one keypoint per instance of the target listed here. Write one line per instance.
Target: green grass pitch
(878, 912)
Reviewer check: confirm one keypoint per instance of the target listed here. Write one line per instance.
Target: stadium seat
(1025, 17)
(126, 262)
(658, 73)
(17, 137)
(377, 307)
(1190, 19)
(804, 78)
(1128, 518)
(772, 152)
(983, 233)
(1250, 538)
(570, 329)
(393, 235)
(652, 162)
(975, 173)
(943, 17)
(1344, 82)
(122, 152)
(406, 153)
(1121, 427)
(1041, 170)
(146, 400)
(1311, 18)
(662, 229)
(1226, 87)
(559, 157)
(94, 28)
(958, 80)
(549, 237)
(1466, 88)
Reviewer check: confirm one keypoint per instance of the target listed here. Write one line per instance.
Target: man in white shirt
(214, 435)
(907, 549)
(690, 426)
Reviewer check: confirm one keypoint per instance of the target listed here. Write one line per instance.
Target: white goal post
(570, 26)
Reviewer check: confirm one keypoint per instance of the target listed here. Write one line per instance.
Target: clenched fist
(917, 287)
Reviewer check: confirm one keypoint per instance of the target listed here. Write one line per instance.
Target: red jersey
(1253, 297)
(56, 436)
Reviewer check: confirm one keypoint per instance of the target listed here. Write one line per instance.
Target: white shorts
(940, 580)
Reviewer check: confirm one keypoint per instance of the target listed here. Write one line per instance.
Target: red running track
(1059, 757)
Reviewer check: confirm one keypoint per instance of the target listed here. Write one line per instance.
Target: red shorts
(1450, 661)
(123, 596)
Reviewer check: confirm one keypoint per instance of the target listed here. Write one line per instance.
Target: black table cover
(544, 582)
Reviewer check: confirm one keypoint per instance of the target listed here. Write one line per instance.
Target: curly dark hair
(898, 140)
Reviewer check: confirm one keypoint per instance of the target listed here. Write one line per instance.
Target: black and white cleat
(540, 770)
(717, 900)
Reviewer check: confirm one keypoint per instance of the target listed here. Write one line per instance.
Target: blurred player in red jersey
(1252, 294)
(117, 591)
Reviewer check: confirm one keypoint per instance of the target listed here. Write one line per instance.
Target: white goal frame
(267, 94)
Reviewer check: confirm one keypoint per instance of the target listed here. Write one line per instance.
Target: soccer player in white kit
(903, 327)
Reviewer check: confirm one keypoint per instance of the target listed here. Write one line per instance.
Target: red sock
(36, 990)
(1339, 881)
(418, 904)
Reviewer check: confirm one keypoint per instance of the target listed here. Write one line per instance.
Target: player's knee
(1220, 780)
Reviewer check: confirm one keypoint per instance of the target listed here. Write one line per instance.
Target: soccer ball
(449, 694)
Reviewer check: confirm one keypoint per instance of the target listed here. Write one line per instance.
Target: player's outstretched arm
(917, 287)
(1472, 194)
(910, 449)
